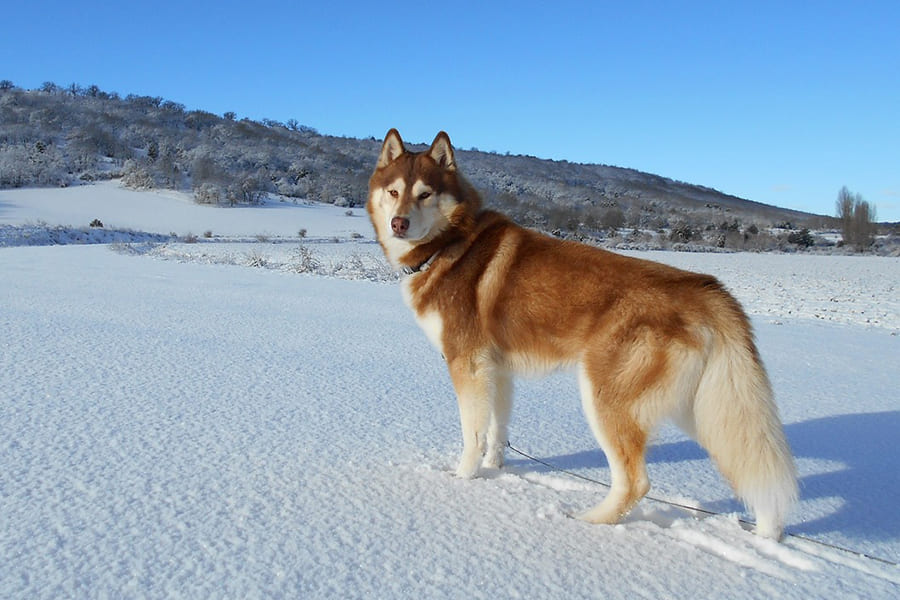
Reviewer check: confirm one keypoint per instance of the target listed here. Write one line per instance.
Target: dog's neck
(451, 244)
(420, 258)
(422, 266)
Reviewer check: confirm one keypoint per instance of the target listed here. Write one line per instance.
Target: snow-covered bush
(136, 176)
(207, 193)
(256, 259)
(304, 261)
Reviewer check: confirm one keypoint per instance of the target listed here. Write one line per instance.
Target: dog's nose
(400, 225)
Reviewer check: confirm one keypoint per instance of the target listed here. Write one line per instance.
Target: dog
(649, 342)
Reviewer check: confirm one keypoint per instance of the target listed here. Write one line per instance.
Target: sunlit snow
(210, 419)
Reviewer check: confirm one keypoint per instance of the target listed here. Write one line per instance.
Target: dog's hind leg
(624, 441)
(501, 406)
(472, 382)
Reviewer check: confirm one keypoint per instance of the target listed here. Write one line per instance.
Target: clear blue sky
(779, 102)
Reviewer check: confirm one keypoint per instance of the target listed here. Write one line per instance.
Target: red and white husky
(649, 342)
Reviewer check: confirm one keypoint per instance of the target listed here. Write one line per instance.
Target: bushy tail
(736, 420)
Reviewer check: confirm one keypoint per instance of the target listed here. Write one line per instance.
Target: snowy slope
(177, 428)
(167, 212)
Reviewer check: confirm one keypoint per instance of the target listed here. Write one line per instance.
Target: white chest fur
(430, 321)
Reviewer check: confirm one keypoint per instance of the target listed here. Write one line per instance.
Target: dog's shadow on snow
(863, 473)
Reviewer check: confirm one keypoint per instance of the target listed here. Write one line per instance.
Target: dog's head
(414, 197)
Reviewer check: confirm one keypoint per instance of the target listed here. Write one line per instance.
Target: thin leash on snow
(697, 509)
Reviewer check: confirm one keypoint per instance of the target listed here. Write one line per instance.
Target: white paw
(600, 515)
(468, 465)
(494, 458)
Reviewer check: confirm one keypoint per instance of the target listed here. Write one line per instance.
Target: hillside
(57, 136)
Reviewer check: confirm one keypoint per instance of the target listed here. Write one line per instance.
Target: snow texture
(176, 424)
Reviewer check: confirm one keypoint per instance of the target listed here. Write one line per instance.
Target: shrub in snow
(801, 238)
(255, 259)
(207, 193)
(682, 232)
(351, 267)
(613, 218)
(304, 261)
(135, 176)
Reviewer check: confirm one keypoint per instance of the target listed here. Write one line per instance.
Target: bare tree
(844, 207)
(857, 218)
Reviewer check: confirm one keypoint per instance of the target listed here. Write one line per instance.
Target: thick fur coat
(649, 342)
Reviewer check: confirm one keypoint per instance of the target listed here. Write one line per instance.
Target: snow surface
(175, 424)
(170, 212)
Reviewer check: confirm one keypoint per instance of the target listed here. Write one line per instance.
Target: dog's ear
(442, 152)
(391, 149)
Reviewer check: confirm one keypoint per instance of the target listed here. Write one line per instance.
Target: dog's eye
(394, 193)
(424, 195)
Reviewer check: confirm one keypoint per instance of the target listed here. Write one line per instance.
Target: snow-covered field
(175, 423)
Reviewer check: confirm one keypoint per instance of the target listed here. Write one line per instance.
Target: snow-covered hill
(60, 138)
(175, 424)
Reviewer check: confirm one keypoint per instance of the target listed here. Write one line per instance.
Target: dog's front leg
(471, 382)
(501, 404)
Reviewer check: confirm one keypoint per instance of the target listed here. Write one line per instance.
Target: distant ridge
(60, 136)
